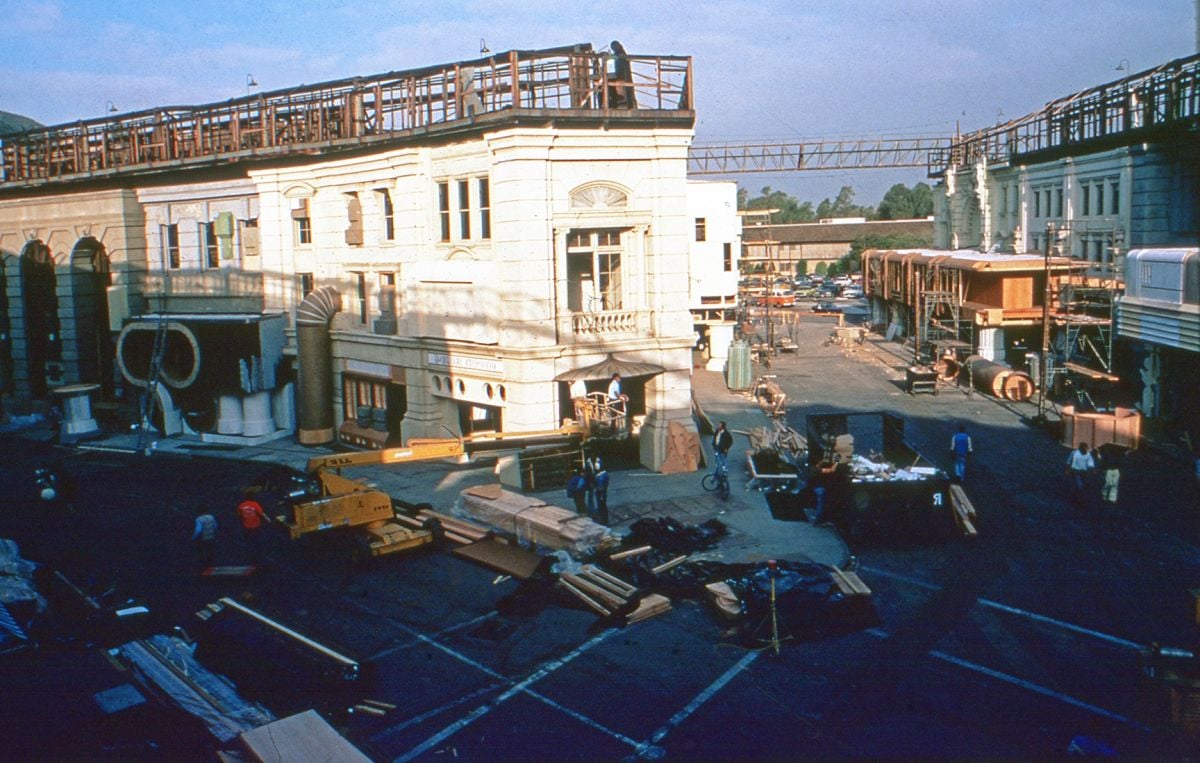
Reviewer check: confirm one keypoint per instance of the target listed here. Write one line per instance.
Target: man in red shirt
(250, 513)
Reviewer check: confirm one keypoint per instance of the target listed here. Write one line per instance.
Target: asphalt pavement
(1006, 646)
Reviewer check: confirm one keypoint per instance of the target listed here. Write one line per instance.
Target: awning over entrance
(607, 367)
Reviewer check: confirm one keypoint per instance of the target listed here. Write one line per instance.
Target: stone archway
(90, 279)
(43, 338)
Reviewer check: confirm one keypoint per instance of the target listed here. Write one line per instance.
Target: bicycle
(717, 481)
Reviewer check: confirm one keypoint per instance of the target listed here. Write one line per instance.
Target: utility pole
(1047, 294)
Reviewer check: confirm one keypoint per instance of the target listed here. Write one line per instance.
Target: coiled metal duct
(314, 350)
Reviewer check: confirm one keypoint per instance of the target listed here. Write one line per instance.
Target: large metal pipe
(180, 363)
(999, 380)
(314, 350)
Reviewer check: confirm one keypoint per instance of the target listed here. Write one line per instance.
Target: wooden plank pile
(607, 594)
(531, 520)
(461, 531)
(964, 511)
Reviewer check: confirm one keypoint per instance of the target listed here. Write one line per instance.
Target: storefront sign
(464, 363)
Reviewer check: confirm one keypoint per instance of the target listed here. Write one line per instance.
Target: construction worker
(250, 513)
(960, 445)
(204, 536)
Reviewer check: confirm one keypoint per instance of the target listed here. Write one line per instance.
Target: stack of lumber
(849, 583)
(964, 512)
(531, 520)
(458, 530)
(607, 594)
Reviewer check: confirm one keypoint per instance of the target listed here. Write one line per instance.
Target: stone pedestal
(256, 414)
(78, 423)
(229, 415)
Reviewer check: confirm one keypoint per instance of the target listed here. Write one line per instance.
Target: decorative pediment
(599, 196)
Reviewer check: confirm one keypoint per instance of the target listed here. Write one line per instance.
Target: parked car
(781, 297)
(826, 307)
(852, 292)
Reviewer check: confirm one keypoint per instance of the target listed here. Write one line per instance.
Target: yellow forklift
(325, 500)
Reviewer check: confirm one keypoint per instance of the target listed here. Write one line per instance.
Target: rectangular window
(1099, 198)
(362, 398)
(301, 223)
(1114, 199)
(1037, 203)
(1086, 202)
(1058, 202)
(485, 208)
(701, 233)
(306, 284)
(360, 293)
(170, 245)
(443, 190)
(248, 237)
(387, 295)
(389, 215)
(464, 210)
(208, 240)
(727, 258)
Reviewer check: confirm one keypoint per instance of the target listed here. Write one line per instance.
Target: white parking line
(444, 632)
(1037, 689)
(516, 689)
(1021, 682)
(1118, 641)
(699, 700)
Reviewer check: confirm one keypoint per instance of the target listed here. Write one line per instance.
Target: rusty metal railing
(345, 113)
(1118, 113)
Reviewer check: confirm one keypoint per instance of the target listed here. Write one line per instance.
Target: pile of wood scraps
(460, 531)
(607, 594)
(964, 511)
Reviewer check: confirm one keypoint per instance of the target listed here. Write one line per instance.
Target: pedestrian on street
(1111, 458)
(601, 490)
(577, 491)
(591, 468)
(1080, 465)
(251, 515)
(204, 537)
(960, 445)
(722, 441)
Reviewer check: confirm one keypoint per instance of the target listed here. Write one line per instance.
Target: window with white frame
(464, 208)
(388, 212)
(208, 242)
(302, 234)
(594, 270)
(169, 235)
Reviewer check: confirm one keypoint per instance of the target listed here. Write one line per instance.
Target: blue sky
(767, 69)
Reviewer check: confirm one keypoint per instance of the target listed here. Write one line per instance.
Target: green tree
(843, 206)
(851, 262)
(904, 203)
(789, 210)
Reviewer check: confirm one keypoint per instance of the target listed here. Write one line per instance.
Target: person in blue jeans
(722, 441)
(960, 445)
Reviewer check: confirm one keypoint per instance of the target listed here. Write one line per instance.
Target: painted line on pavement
(699, 700)
(516, 689)
(1116, 640)
(1037, 689)
(444, 632)
(1022, 683)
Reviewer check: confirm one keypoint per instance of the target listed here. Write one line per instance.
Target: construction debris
(964, 511)
(608, 595)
